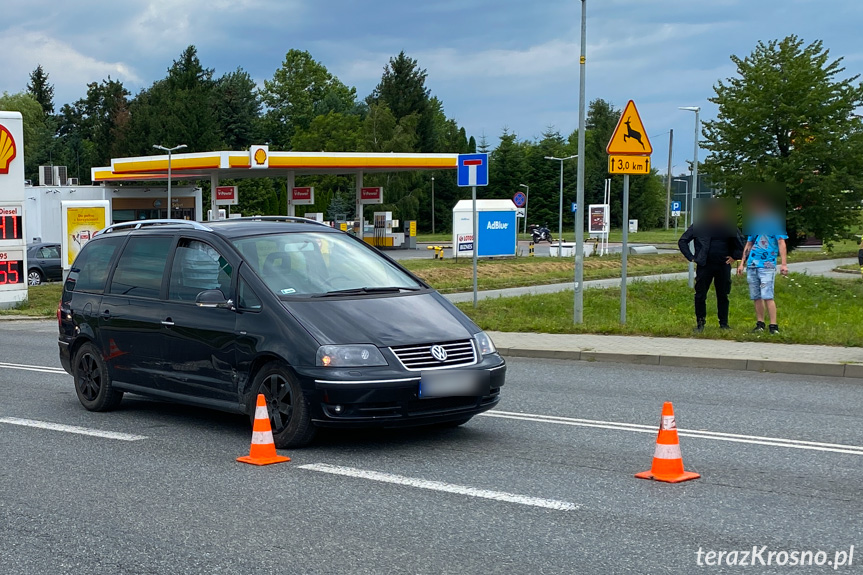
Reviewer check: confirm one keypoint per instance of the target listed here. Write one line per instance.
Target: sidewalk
(816, 268)
(682, 352)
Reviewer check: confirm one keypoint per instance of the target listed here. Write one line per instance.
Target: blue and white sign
(574, 207)
(472, 170)
(675, 209)
(497, 234)
(519, 199)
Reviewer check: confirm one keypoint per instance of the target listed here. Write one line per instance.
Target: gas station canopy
(260, 162)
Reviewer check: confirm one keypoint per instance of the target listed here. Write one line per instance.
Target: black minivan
(330, 330)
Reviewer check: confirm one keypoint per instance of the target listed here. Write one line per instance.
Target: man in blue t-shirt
(759, 255)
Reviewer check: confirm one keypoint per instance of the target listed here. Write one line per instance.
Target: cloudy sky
(494, 63)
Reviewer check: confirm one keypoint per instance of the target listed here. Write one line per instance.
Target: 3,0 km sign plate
(637, 165)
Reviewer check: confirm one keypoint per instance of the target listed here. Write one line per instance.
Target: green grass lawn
(42, 301)
(812, 310)
(452, 275)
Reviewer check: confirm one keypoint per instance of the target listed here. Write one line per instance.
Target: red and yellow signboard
(8, 149)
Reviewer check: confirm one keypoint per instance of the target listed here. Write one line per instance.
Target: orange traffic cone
(667, 462)
(263, 450)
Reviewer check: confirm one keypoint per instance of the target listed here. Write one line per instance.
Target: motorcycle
(540, 233)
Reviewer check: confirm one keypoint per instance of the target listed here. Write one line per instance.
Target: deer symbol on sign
(634, 134)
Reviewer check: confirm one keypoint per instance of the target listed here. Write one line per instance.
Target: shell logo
(8, 150)
(260, 156)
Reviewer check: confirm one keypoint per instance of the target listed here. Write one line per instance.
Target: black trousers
(719, 274)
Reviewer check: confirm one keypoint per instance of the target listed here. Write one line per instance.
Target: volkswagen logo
(438, 352)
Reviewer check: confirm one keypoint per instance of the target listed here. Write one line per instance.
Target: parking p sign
(472, 170)
(675, 209)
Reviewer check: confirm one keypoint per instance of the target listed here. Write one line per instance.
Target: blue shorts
(760, 282)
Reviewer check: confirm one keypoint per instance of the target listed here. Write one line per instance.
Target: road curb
(851, 371)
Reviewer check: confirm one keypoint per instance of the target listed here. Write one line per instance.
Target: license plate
(452, 383)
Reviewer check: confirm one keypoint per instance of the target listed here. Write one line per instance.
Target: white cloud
(70, 70)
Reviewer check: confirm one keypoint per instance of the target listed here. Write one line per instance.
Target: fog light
(337, 409)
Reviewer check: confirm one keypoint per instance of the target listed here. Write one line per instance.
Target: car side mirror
(213, 298)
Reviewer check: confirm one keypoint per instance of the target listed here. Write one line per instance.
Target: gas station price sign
(11, 224)
(11, 267)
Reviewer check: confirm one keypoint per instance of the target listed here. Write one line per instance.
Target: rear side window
(141, 267)
(91, 267)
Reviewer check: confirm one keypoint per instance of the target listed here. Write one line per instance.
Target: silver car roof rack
(138, 224)
(278, 219)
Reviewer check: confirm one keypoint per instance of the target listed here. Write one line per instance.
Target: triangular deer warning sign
(629, 136)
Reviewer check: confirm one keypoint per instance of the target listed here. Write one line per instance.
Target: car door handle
(168, 322)
(106, 314)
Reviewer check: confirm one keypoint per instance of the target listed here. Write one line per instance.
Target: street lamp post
(432, 179)
(697, 111)
(526, 201)
(560, 214)
(171, 151)
(578, 288)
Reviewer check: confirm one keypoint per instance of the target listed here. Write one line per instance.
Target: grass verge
(41, 301)
(452, 275)
(812, 310)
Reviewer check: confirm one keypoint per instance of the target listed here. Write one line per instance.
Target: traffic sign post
(472, 172)
(628, 153)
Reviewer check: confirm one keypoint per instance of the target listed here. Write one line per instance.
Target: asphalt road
(550, 492)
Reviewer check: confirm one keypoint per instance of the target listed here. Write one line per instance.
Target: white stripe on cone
(261, 412)
(664, 451)
(262, 437)
(668, 422)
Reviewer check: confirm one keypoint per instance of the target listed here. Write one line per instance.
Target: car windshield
(321, 264)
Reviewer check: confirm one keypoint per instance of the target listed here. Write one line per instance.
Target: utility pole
(578, 295)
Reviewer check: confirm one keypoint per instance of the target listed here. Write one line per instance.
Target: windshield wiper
(367, 290)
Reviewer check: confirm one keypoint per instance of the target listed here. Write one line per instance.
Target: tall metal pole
(694, 188)
(475, 242)
(169, 185)
(578, 297)
(560, 216)
(432, 204)
(526, 201)
(668, 179)
(624, 249)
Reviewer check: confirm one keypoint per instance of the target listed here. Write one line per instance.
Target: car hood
(382, 320)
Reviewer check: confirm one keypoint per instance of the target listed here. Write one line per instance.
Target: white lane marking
(440, 486)
(40, 368)
(72, 429)
(701, 434)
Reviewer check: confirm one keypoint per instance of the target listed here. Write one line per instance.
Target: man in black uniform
(718, 244)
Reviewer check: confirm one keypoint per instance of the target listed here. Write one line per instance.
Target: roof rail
(279, 219)
(138, 224)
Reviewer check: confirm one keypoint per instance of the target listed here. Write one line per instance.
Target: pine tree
(41, 89)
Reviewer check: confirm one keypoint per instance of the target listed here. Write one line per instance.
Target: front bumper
(389, 398)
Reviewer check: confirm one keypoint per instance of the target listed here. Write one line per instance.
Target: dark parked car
(43, 263)
(331, 331)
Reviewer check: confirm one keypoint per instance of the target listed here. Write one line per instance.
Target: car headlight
(484, 343)
(349, 356)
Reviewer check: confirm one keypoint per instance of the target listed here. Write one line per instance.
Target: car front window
(315, 263)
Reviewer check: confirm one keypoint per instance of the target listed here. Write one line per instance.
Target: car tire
(92, 383)
(289, 412)
(35, 277)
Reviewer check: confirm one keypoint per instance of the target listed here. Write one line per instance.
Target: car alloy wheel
(89, 376)
(280, 401)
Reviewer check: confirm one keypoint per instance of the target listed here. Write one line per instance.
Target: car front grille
(420, 357)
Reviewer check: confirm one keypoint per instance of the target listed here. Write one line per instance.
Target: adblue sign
(497, 234)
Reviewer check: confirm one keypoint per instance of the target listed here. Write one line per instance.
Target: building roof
(231, 165)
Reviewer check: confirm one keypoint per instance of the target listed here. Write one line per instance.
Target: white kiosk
(13, 233)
